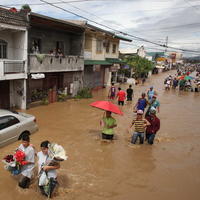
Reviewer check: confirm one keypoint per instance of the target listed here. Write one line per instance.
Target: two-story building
(56, 62)
(101, 55)
(13, 58)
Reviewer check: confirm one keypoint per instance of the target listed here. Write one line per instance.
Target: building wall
(91, 45)
(20, 45)
(17, 46)
(94, 79)
(49, 37)
(6, 36)
(18, 94)
(73, 82)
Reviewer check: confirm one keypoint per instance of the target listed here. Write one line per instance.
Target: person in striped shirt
(140, 125)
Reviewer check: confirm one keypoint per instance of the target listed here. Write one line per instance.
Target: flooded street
(95, 170)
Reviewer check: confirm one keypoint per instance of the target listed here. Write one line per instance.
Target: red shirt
(121, 95)
(154, 125)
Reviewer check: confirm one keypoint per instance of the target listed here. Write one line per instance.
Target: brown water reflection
(97, 170)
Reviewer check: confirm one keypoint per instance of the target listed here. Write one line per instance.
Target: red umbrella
(107, 106)
(181, 77)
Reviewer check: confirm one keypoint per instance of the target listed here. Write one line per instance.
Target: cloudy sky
(153, 20)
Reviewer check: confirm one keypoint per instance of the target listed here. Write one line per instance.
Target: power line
(135, 37)
(117, 31)
(79, 1)
(57, 2)
(172, 27)
(192, 6)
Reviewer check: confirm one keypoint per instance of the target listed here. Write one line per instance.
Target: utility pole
(166, 44)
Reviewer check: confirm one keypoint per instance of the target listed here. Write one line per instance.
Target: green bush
(62, 97)
(84, 93)
(45, 101)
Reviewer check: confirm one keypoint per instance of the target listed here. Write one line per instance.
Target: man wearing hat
(139, 127)
(154, 103)
(154, 126)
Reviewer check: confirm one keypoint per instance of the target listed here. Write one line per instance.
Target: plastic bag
(43, 179)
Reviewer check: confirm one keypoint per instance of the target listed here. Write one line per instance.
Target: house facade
(56, 62)
(13, 58)
(101, 55)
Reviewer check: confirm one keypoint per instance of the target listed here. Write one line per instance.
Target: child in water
(139, 127)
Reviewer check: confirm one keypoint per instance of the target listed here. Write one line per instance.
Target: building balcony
(12, 69)
(49, 63)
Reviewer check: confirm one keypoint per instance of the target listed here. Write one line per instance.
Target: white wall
(107, 78)
(6, 36)
(18, 93)
(19, 46)
(101, 56)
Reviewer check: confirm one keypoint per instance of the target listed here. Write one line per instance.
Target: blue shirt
(142, 103)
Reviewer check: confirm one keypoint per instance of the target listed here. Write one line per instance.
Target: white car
(14, 124)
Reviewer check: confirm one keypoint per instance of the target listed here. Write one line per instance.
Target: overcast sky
(153, 20)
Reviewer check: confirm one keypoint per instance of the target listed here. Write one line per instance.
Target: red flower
(19, 156)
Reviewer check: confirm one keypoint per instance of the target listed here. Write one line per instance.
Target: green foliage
(38, 95)
(62, 97)
(140, 65)
(45, 101)
(26, 7)
(84, 93)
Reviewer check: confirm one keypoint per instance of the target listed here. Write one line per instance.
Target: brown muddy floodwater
(95, 170)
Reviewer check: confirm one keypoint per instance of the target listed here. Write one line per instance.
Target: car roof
(5, 112)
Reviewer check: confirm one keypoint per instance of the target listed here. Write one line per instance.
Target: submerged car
(14, 124)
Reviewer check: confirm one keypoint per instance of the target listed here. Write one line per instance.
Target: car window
(7, 121)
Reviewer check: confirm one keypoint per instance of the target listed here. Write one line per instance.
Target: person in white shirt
(46, 164)
(27, 168)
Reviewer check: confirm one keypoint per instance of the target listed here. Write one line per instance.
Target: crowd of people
(184, 81)
(146, 124)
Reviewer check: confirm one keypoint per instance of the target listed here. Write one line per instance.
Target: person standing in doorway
(129, 92)
(121, 95)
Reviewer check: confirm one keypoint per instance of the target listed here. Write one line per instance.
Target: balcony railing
(12, 69)
(49, 63)
(14, 66)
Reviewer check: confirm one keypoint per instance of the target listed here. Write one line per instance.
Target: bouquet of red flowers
(13, 163)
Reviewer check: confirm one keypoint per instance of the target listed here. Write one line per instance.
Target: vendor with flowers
(27, 164)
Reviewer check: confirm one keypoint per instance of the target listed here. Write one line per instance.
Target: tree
(140, 65)
(26, 7)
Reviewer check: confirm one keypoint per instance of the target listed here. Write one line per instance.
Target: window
(107, 47)
(8, 121)
(36, 45)
(114, 48)
(3, 49)
(99, 46)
